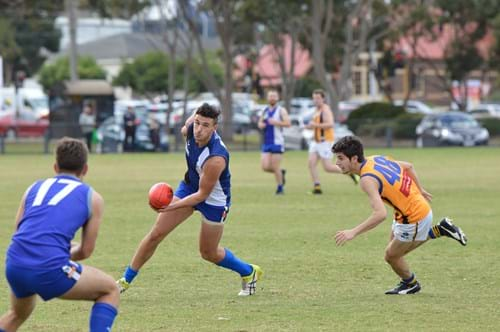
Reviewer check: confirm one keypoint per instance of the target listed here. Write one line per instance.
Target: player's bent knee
(110, 292)
(209, 255)
(392, 256)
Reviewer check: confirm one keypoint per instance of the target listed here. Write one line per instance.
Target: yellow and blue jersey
(396, 188)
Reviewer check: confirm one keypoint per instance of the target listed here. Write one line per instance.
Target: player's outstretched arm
(379, 213)
(89, 230)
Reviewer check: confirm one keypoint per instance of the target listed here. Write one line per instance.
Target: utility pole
(73, 51)
(1, 82)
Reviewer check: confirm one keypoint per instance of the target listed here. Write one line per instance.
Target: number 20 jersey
(55, 208)
(397, 189)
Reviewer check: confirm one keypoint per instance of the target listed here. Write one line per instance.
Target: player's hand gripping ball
(160, 195)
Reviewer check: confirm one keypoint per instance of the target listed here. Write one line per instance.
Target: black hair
(71, 155)
(208, 111)
(350, 146)
(319, 92)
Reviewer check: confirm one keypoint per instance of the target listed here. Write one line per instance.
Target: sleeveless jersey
(397, 189)
(196, 158)
(54, 210)
(273, 134)
(322, 134)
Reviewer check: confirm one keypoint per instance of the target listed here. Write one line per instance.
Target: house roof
(88, 87)
(435, 49)
(131, 45)
(267, 63)
(126, 45)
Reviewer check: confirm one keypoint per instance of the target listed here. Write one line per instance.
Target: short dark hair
(209, 111)
(350, 146)
(71, 155)
(319, 92)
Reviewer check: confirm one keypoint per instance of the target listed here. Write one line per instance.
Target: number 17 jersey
(396, 188)
(54, 210)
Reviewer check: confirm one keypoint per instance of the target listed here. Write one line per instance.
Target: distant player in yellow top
(395, 183)
(320, 148)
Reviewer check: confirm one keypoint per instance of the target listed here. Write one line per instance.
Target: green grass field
(309, 283)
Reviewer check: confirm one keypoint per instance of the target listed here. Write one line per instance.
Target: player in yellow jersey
(320, 148)
(395, 183)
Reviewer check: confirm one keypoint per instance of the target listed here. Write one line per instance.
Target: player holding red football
(206, 188)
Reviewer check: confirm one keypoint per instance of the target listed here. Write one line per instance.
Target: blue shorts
(210, 212)
(46, 283)
(272, 148)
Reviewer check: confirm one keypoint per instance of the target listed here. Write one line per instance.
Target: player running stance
(206, 188)
(40, 258)
(273, 120)
(395, 183)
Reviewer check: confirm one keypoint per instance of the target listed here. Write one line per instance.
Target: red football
(160, 195)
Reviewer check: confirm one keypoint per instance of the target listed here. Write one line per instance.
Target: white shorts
(412, 232)
(323, 149)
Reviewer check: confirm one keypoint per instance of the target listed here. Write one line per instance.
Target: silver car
(451, 128)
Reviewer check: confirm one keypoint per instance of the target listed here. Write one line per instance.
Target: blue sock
(130, 274)
(410, 280)
(232, 262)
(102, 317)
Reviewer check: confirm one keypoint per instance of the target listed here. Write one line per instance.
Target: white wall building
(89, 29)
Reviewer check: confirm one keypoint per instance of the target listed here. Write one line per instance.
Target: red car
(26, 125)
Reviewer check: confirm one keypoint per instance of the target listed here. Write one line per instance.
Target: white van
(29, 99)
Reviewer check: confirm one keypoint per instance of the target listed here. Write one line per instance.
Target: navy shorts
(210, 212)
(46, 283)
(272, 148)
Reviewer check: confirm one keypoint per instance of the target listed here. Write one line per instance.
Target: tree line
(335, 32)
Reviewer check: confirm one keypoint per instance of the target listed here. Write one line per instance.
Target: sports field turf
(309, 283)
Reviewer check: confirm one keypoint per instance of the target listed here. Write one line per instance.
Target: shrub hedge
(373, 119)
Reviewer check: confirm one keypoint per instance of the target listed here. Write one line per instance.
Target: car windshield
(459, 122)
(39, 102)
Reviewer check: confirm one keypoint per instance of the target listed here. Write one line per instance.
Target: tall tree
(280, 30)
(32, 24)
(116, 8)
(459, 26)
(223, 14)
(73, 47)
(338, 33)
(59, 71)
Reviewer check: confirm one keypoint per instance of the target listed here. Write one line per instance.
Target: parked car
(416, 106)
(27, 124)
(300, 105)
(451, 128)
(111, 135)
(485, 111)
